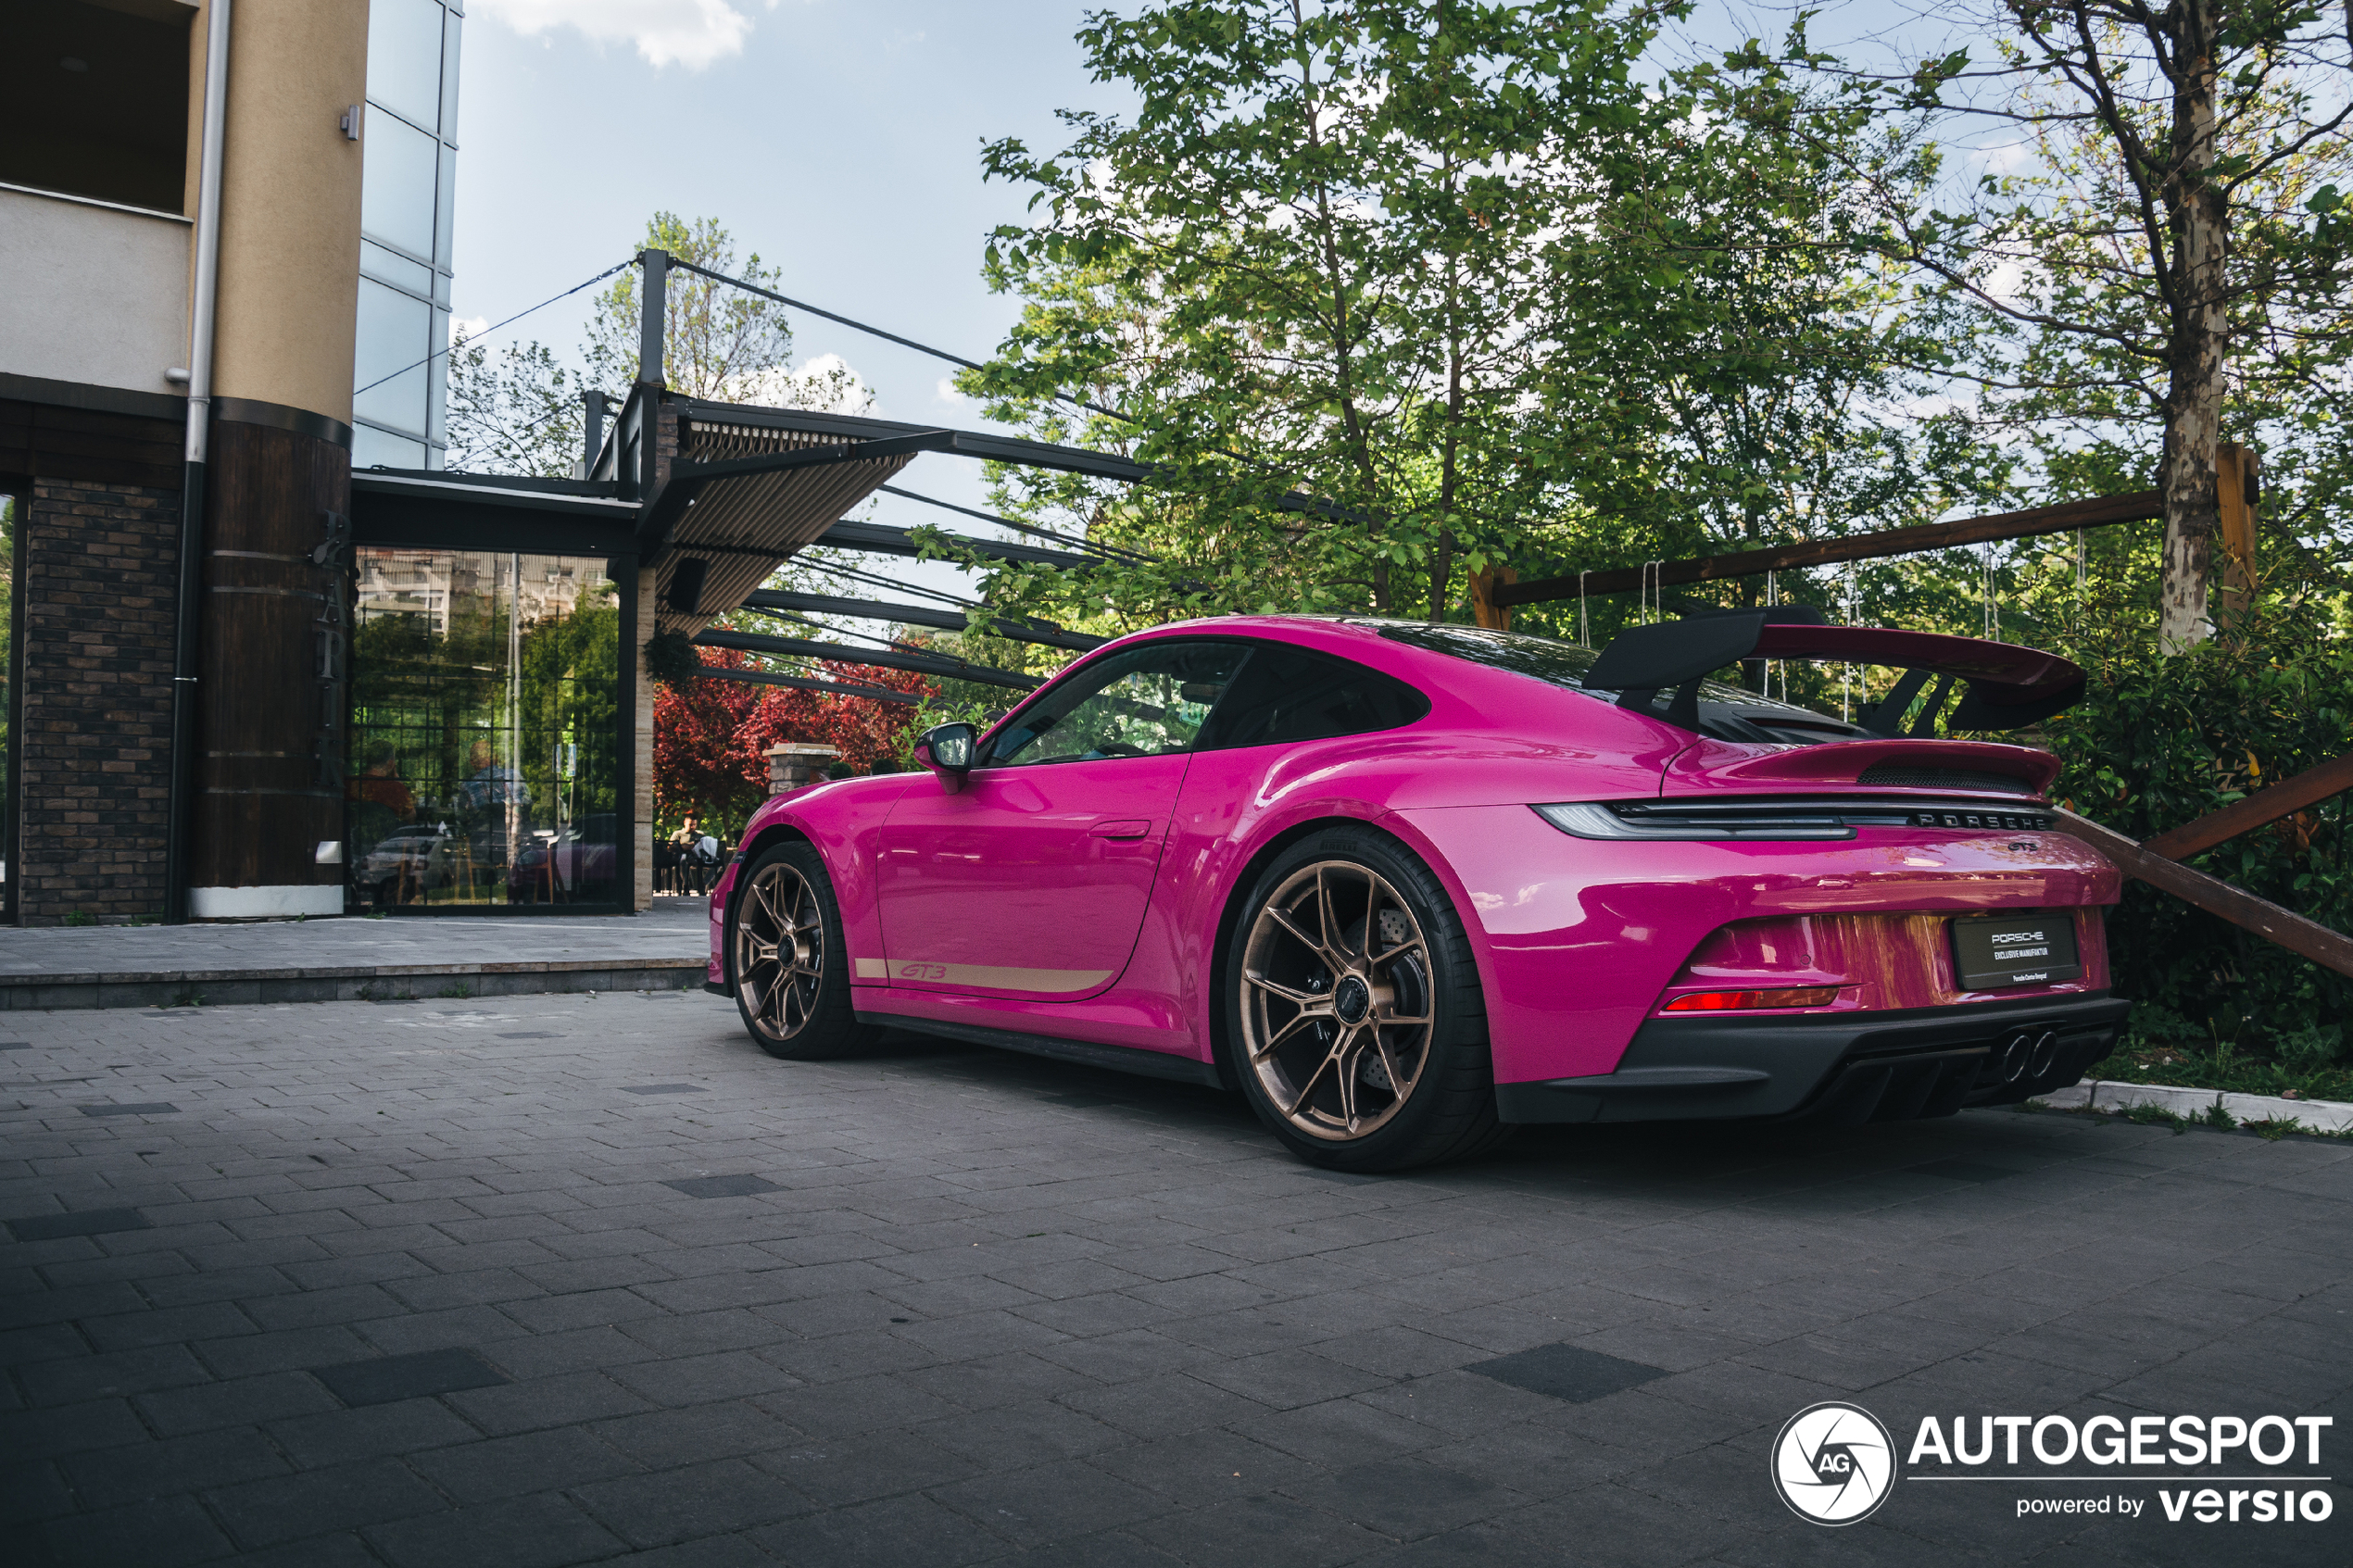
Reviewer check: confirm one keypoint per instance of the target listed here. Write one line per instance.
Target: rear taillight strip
(1776, 820)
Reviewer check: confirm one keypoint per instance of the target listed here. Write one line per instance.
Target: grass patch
(2159, 1048)
(2156, 1116)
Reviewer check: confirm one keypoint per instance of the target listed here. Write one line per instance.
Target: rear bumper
(1844, 1069)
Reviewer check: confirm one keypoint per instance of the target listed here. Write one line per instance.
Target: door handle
(1131, 829)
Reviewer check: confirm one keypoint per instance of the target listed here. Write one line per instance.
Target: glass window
(1560, 664)
(485, 723)
(397, 180)
(445, 211)
(449, 77)
(395, 333)
(1147, 701)
(97, 102)
(372, 448)
(1289, 693)
(11, 512)
(413, 277)
(404, 59)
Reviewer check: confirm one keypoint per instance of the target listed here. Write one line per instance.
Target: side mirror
(947, 751)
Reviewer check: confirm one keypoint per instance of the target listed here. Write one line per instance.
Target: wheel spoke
(1312, 1079)
(1350, 1065)
(1299, 1019)
(1389, 1065)
(1283, 919)
(1321, 1003)
(1392, 955)
(1327, 916)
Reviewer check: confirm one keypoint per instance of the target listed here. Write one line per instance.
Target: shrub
(2159, 743)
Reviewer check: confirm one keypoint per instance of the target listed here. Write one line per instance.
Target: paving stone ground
(553, 1280)
(674, 927)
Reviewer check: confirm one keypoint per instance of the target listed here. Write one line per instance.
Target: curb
(2104, 1094)
(362, 983)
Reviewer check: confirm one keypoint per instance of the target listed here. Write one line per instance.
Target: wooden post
(2238, 490)
(1484, 610)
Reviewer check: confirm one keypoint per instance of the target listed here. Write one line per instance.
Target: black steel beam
(802, 682)
(939, 616)
(986, 447)
(885, 659)
(1090, 545)
(880, 538)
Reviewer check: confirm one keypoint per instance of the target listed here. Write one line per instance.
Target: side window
(1287, 695)
(1147, 701)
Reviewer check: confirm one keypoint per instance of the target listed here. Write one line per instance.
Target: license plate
(2031, 948)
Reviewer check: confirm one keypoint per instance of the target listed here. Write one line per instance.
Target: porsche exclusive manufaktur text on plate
(1404, 885)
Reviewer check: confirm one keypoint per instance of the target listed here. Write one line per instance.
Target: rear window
(1286, 694)
(1726, 712)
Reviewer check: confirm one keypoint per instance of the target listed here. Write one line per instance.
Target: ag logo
(1833, 1463)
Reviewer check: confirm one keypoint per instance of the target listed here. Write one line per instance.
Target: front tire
(1353, 1010)
(786, 962)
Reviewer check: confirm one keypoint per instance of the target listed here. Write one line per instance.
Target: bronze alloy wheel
(1336, 1004)
(780, 951)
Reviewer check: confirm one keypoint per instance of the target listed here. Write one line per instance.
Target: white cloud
(468, 326)
(828, 383)
(688, 32)
(949, 394)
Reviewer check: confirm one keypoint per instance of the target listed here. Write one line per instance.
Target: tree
(710, 736)
(718, 343)
(1482, 277)
(518, 411)
(1305, 264)
(2179, 243)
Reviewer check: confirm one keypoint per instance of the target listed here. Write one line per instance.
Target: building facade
(233, 693)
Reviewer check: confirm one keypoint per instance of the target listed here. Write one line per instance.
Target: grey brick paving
(947, 1306)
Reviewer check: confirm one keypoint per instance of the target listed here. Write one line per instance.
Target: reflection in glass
(11, 509)
(404, 58)
(396, 331)
(396, 181)
(373, 448)
(484, 690)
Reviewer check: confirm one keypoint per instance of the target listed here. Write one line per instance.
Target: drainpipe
(180, 828)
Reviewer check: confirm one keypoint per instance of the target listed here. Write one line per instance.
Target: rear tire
(785, 960)
(1353, 1013)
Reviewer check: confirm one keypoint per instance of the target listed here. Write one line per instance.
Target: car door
(1032, 880)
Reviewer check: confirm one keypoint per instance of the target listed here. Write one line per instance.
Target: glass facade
(408, 163)
(484, 729)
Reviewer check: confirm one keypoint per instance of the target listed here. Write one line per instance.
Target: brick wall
(92, 750)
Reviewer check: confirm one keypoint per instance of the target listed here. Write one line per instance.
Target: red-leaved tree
(710, 736)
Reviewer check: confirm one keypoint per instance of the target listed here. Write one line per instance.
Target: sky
(839, 139)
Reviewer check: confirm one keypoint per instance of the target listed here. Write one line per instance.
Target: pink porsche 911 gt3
(1405, 886)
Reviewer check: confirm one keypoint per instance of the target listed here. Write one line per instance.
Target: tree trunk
(2199, 214)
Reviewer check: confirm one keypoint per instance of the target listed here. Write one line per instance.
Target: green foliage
(2160, 742)
(1485, 279)
(672, 659)
(516, 411)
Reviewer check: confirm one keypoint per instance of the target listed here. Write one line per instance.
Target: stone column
(795, 763)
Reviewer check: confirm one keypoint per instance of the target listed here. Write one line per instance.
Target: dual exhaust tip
(2028, 1055)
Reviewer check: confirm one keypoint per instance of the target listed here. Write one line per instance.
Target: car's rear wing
(2005, 686)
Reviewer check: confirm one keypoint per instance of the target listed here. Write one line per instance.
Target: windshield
(1726, 712)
